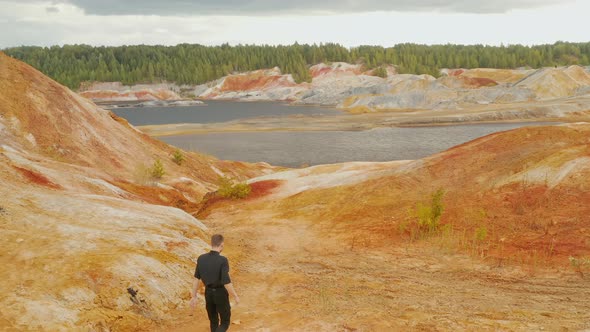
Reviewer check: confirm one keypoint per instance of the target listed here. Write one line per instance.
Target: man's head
(217, 242)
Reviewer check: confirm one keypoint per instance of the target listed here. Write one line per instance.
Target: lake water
(215, 111)
(293, 149)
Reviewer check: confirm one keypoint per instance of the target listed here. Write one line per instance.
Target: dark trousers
(217, 303)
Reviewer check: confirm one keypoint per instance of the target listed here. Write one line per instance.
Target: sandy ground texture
(289, 282)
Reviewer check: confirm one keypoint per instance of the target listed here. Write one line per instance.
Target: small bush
(157, 170)
(229, 189)
(178, 157)
(481, 233)
(380, 72)
(428, 216)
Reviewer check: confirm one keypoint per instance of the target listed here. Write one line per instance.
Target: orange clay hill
(84, 214)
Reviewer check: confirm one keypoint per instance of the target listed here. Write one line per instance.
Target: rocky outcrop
(349, 87)
(117, 92)
(550, 83)
(466, 88)
(257, 85)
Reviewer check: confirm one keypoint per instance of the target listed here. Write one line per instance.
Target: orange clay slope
(526, 192)
(336, 247)
(41, 116)
(77, 219)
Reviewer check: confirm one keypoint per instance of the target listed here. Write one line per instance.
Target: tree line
(196, 64)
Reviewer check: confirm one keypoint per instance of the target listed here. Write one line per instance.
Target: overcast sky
(349, 22)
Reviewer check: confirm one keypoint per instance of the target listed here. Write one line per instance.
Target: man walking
(213, 270)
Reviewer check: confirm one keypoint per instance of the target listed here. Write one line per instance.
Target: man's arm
(195, 288)
(195, 291)
(232, 291)
(225, 279)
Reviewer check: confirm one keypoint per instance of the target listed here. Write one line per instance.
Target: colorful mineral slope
(116, 92)
(81, 218)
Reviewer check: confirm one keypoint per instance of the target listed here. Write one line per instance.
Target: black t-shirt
(213, 269)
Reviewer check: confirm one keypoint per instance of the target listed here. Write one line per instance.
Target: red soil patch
(143, 95)
(319, 71)
(37, 178)
(258, 189)
(474, 82)
(456, 72)
(171, 245)
(139, 95)
(158, 196)
(528, 222)
(255, 81)
(101, 94)
(315, 72)
(479, 81)
(263, 188)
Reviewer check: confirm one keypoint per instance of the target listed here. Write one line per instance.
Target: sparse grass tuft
(228, 188)
(157, 170)
(427, 216)
(178, 157)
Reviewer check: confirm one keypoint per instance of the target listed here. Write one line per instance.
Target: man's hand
(195, 293)
(193, 302)
(230, 289)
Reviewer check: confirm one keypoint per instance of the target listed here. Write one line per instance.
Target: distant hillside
(196, 64)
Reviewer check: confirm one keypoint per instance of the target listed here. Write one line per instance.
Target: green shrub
(229, 189)
(481, 233)
(380, 72)
(428, 215)
(157, 170)
(178, 157)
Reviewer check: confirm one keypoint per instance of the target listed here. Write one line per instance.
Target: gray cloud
(27, 22)
(249, 7)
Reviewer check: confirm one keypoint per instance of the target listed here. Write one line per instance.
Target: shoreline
(185, 129)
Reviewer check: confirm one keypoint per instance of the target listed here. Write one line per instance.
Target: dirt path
(293, 276)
